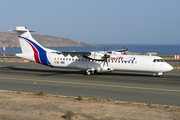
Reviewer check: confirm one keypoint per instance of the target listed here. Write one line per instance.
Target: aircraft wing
(89, 55)
(72, 54)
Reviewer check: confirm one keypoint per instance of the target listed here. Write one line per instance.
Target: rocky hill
(11, 40)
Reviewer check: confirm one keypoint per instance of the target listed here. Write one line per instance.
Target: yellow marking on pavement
(26, 71)
(3, 66)
(90, 84)
(61, 69)
(139, 78)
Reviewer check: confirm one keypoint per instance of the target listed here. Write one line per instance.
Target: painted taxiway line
(61, 69)
(90, 84)
(139, 78)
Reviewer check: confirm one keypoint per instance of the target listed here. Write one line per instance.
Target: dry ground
(25, 106)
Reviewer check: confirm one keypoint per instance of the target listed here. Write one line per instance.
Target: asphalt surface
(124, 86)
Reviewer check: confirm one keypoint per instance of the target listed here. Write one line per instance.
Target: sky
(97, 21)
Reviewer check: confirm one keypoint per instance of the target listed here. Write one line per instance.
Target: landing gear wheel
(161, 76)
(88, 73)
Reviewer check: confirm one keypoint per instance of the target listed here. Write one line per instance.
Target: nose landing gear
(160, 74)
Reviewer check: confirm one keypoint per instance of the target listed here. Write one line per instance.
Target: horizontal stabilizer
(22, 29)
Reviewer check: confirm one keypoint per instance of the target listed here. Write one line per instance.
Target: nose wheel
(160, 74)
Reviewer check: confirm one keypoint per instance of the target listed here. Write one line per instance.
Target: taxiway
(124, 86)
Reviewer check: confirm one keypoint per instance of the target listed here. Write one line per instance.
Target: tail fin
(28, 44)
(30, 47)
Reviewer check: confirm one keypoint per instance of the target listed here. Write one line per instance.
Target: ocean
(140, 48)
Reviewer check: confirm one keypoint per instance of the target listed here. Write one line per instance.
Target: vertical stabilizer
(28, 44)
(31, 49)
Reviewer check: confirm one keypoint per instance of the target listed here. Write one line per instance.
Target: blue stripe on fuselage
(42, 53)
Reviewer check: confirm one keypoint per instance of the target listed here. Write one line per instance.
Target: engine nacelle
(96, 56)
(104, 69)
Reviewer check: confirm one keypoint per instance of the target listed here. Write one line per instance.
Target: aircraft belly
(86, 66)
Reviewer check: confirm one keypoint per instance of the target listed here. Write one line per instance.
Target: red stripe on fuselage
(36, 53)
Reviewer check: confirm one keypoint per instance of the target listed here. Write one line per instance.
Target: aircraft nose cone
(169, 67)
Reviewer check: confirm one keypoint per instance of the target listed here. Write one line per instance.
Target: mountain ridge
(11, 40)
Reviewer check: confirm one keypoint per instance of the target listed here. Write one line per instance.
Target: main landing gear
(90, 71)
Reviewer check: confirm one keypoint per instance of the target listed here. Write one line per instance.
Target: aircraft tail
(31, 49)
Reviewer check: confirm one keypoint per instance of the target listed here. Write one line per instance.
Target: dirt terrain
(21, 106)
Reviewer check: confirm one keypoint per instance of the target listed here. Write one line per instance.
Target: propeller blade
(105, 57)
(104, 48)
(107, 63)
(108, 48)
(103, 63)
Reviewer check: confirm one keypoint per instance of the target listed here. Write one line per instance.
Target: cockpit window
(158, 60)
(162, 60)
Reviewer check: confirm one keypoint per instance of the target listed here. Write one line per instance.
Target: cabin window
(128, 61)
(132, 61)
(82, 59)
(60, 58)
(54, 58)
(85, 59)
(57, 62)
(122, 61)
(119, 61)
(69, 59)
(154, 60)
(66, 58)
(79, 59)
(72, 59)
(63, 58)
(57, 58)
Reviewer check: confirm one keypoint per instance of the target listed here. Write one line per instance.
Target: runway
(124, 86)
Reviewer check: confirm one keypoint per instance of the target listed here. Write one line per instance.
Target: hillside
(11, 40)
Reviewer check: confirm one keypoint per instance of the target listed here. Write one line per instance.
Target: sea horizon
(140, 48)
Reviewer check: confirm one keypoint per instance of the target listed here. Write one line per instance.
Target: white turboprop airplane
(90, 62)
